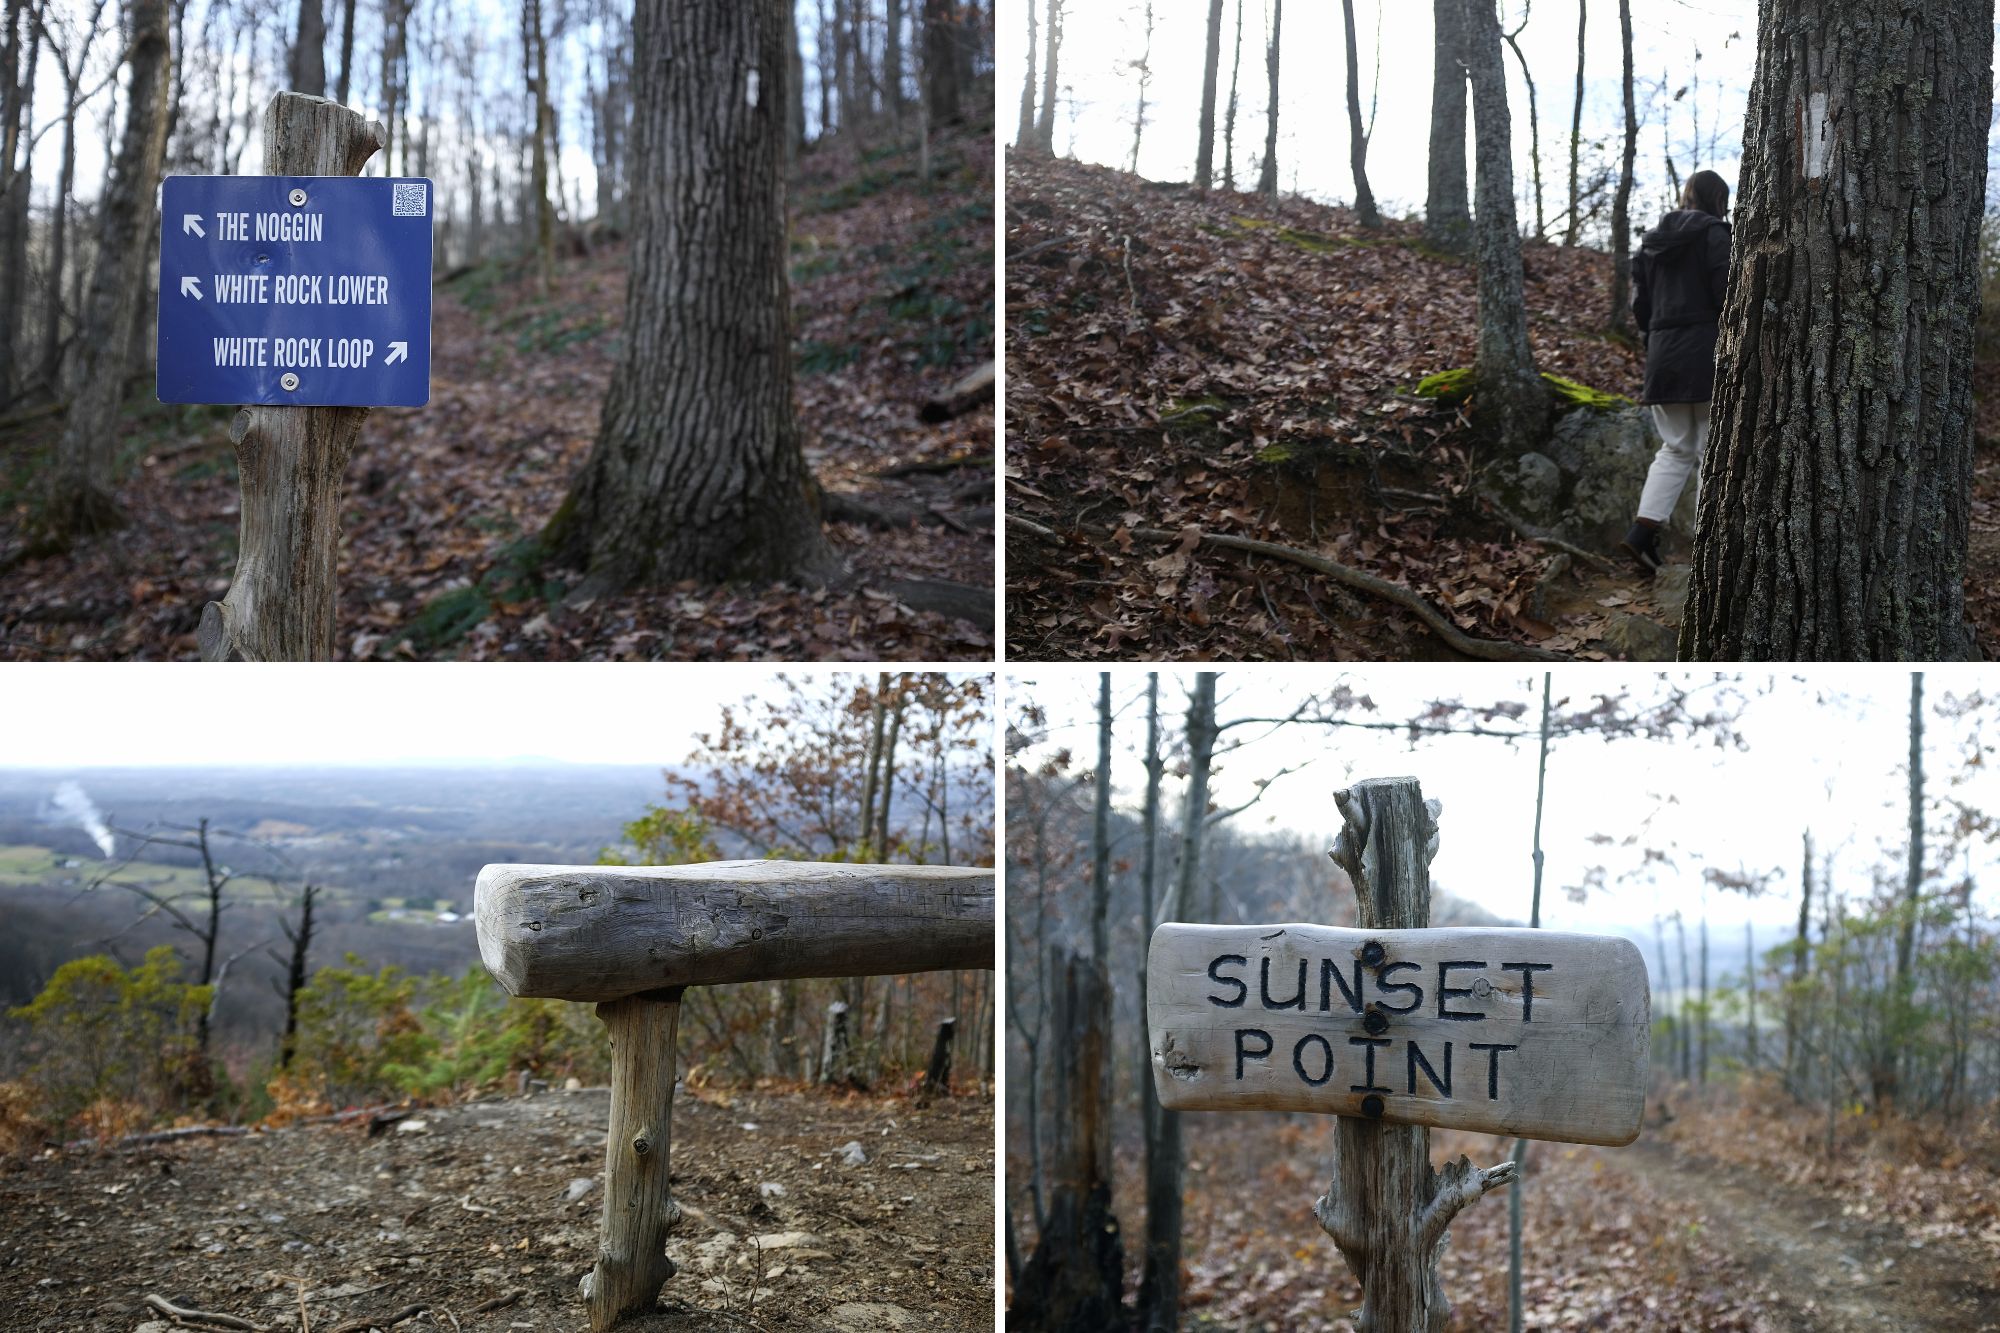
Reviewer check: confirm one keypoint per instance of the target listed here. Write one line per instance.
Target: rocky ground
(802, 1211)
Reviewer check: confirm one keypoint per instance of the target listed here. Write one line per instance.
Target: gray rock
(578, 1187)
(852, 1155)
(1639, 638)
(870, 1316)
(1604, 457)
(1530, 487)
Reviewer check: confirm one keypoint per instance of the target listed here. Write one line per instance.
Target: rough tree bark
(1447, 206)
(79, 499)
(1357, 137)
(1385, 1208)
(1073, 1281)
(697, 471)
(1267, 179)
(280, 604)
(297, 971)
(1620, 318)
(1511, 404)
(632, 1262)
(1834, 513)
(1204, 156)
(346, 83)
(940, 63)
(16, 96)
(308, 65)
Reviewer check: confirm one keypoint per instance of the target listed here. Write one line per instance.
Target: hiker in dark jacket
(1678, 278)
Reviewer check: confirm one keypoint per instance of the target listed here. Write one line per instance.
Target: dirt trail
(1828, 1272)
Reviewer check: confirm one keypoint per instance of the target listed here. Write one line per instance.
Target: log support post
(280, 603)
(1387, 1211)
(632, 1261)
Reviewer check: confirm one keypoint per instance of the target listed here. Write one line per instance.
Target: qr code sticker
(407, 201)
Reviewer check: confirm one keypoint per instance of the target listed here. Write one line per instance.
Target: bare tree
(1229, 118)
(308, 62)
(1144, 65)
(1620, 320)
(1357, 136)
(1576, 128)
(1267, 179)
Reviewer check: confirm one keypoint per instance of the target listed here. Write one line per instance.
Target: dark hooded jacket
(1678, 279)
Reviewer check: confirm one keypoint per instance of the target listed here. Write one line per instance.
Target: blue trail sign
(297, 291)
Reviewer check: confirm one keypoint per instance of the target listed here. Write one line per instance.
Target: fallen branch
(960, 601)
(159, 1136)
(1488, 650)
(951, 464)
(500, 1302)
(388, 1321)
(1039, 247)
(1549, 539)
(201, 1318)
(971, 390)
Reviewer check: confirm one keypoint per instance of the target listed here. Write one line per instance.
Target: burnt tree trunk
(697, 471)
(1447, 206)
(1621, 203)
(1267, 179)
(1510, 402)
(1204, 156)
(937, 1078)
(79, 502)
(1834, 513)
(296, 972)
(1385, 1208)
(1357, 136)
(1073, 1281)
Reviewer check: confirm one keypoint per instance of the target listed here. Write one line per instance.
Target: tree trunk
(1576, 129)
(1045, 123)
(1073, 1282)
(1534, 132)
(1841, 455)
(346, 84)
(1024, 131)
(1160, 1286)
(15, 98)
(697, 471)
(1229, 117)
(638, 1159)
(1884, 1072)
(1100, 833)
(1620, 319)
(535, 46)
(940, 63)
(296, 973)
(937, 1077)
(1447, 207)
(892, 60)
(1794, 1074)
(1357, 137)
(80, 503)
(1204, 157)
(1145, 68)
(1511, 403)
(1701, 1010)
(1385, 1208)
(1687, 1037)
(308, 68)
(280, 604)
(1267, 179)
(1750, 988)
(59, 243)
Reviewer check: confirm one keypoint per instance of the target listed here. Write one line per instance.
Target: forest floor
(1725, 1217)
(892, 289)
(456, 1207)
(1226, 365)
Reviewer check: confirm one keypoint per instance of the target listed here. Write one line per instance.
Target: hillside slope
(893, 299)
(451, 1209)
(1193, 366)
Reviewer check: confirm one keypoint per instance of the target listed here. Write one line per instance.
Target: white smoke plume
(72, 800)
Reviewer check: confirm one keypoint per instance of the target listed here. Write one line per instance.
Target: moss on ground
(1452, 387)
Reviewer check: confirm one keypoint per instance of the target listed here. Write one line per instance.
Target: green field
(22, 867)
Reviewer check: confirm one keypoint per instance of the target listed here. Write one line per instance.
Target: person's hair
(1707, 192)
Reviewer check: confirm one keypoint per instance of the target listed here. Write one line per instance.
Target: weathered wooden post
(633, 938)
(1521, 1032)
(306, 294)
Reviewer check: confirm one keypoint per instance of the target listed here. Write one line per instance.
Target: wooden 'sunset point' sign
(1522, 1032)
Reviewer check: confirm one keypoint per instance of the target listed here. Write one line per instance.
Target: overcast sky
(1828, 755)
(80, 716)
(1103, 37)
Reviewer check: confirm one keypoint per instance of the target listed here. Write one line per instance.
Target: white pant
(1683, 429)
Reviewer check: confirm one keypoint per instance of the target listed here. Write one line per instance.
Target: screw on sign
(634, 938)
(1396, 1027)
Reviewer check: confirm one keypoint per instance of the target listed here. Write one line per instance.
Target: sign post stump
(279, 607)
(634, 938)
(1386, 1210)
(1396, 1027)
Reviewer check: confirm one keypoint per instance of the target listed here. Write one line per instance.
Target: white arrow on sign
(191, 286)
(397, 352)
(191, 222)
